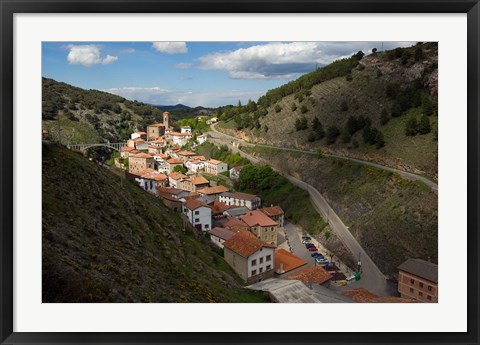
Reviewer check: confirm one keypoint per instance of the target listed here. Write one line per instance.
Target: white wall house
(202, 138)
(180, 139)
(186, 129)
(195, 165)
(215, 167)
(198, 214)
(241, 199)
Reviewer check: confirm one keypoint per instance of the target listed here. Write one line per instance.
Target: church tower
(166, 116)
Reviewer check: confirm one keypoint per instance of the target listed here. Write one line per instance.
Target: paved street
(372, 278)
(297, 247)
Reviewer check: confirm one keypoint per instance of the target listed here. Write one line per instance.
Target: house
(219, 235)
(180, 139)
(155, 150)
(262, 226)
(418, 279)
(174, 179)
(286, 261)
(217, 190)
(362, 295)
(234, 222)
(125, 151)
(218, 209)
(276, 213)
(249, 257)
(138, 144)
(195, 165)
(215, 167)
(136, 135)
(192, 184)
(234, 173)
(201, 138)
(312, 274)
(172, 163)
(184, 156)
(140, 162)
(185, 129)
(198, 214)
(171, 197)
(236, 211)
(212, 120)
(155, 131)
(241, 199)
(151, 179)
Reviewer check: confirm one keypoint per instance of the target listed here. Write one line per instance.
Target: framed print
(239, 172)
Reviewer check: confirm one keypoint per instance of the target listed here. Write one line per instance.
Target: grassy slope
(365, 95)
(103, 242)
(393, 219)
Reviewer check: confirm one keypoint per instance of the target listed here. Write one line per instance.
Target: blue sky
(192, 73)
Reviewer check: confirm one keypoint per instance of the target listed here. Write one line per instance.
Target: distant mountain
(172, 107)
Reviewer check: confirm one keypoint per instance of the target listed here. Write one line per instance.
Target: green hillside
(361, 107)
(72, 114)
(109, 241)
(392, 218)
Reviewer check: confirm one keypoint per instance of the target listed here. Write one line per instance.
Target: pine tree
(411, 127)
(424, 125)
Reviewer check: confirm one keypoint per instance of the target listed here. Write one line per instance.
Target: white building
(186, 129)
(195, 165)
(235, 173)
(241, 199)
(175, 178)
(180, 139)
(198, 214)
(152, 179)
(215, 167)
(202, 138)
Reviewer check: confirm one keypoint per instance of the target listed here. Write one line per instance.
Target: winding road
(372, 278)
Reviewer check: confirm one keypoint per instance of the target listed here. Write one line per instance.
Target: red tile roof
(254, 218)
(126, 148)
(232, 222)
(272, 211)
(214, 161)
(186, 153)
(314, 274)
(244, 196)
(245, 245)
(174, 161)
(177, 175)
(156, 125)
(220, 207)
(155, 176)
(141, 155)
(213, 190)
(198, 180)
(193, 204)
(364, 296)
(224, 234)
(286, 261)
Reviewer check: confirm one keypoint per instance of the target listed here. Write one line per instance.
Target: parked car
(308, 245)
(306, 241)
(312, 249)
(321, 260)
(306, 238)
(317, 254)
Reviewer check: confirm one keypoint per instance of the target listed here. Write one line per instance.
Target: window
(411, 290)
(206, 226)
(197, 212)
(412, 281)
(429, 297)
(268, 258)
(268, 267)
(420, 293)
(197, 220)
(429, 288)
(261, 260)
(260, 270)
(254, 272)
(254, 262)
(421, 285)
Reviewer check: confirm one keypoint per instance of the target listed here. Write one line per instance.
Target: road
(404, 174)
(372, 278)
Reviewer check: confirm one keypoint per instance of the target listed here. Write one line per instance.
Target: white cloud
(170, 47)
(284, 60)
(127, 51)
(160, 96)
(183, 65)
(88, 55)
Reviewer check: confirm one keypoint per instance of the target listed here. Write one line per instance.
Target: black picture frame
(10, 7)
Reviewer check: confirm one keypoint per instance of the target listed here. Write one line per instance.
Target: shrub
(303, 109)
(294, 106)
(424, 125)
(278, 108)
(411, 127)
(344, 106)
(332, 134)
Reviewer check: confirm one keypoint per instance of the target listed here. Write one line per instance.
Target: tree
(278, 108)
(352, 125)
(359, 55)
(374, 51)
(180, 169)
(427, 106)
(251, 106)
(418, 54)
(318, 129)
(332, 134)
(411, 127)
(384, 118)
(294, 106)
(349, 77)
(379, 139)
(301, 123)
(424, 125)
(346, 136)
(311, 137)
(303, 109)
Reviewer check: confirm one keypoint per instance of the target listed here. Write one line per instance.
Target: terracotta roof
(256, 217)
(156, 125)
(286, 261)
(138, 140)
(272, 211)
(314, 274)
(421, 268)
(154, 176)
(193, 204)
(186, 153)
(232, 222)
(148, 171)
(222, 233)
(194, 161)
(214, 161)
(154, 147)
(140, 133)
(166, 113)
(170, 191)
(200, 158)
(177, 175)
(176, 134)
(213, 190)
(142, 155)
(192, 195)
(161, 155)
(219, 207)
(245, 245)
(126, 148)
(364, 296)
(174, 161)
(133, 152)
(198, 180)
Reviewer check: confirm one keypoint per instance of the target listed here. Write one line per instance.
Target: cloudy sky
(191, 73)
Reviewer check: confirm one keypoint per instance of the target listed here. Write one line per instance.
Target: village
(266, 251)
